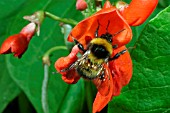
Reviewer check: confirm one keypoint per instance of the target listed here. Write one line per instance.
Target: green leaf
(138, 29)
(149, 89)
(9, 90)
(12, 5)
(27, 72)
(74, 99)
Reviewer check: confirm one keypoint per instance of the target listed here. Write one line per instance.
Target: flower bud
(36, 18)
(81, 5)
(18, 43)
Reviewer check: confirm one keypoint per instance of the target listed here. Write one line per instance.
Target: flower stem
(64, 20)
(44, 99)
(54, 49)
(46, 57)
(46, 62)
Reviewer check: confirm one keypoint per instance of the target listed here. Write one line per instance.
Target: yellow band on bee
(104, 42)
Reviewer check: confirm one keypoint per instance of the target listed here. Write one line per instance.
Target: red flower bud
(36, 18)
(18, 43)
(81, 5)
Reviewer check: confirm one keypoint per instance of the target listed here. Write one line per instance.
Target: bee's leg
(102, 76)
(70, 67)
(118, 55)
(80, 46)
(115, 46)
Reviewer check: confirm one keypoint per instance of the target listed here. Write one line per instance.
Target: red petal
(16, 44)
(107, 4)
(101, 101)
(121, 70)
(138, 11)
(87, 27)
(69, 76)
(103, 86)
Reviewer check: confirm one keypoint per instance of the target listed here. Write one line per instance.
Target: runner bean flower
(119, 71)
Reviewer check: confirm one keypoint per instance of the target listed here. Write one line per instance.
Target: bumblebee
(91, 64)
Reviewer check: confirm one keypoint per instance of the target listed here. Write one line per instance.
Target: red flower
(118, 72)
(18, 43)
(84, 31)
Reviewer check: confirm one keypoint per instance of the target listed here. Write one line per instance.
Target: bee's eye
(110, 40)
(99, 51)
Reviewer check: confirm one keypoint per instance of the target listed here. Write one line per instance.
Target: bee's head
(107, 36)
(101, 48)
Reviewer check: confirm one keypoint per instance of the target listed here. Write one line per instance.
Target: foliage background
(21, 79)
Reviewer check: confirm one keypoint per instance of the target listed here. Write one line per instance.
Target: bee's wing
(103, 85)
(76, 63)
(73, 65)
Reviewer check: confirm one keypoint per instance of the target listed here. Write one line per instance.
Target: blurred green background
(21, 79)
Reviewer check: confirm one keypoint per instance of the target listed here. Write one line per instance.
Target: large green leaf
(27, 72)
(74, 97)
(9, 90)
(149, 89)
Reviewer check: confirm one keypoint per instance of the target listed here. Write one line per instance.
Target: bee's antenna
(96, 32)
(107, 25)
(118, 32)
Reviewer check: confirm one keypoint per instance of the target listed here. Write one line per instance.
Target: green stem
(44, 95)
(46, 57)
(54, 49)
(64, 20)
(46, 61)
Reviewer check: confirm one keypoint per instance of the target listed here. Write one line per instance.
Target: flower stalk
(44, 95)
(46, 62)
(64, 20)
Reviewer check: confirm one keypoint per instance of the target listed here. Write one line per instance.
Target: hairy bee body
(98, 53)
(89, 67)
(90, 64)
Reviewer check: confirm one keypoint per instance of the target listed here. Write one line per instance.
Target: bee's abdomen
(88, 70)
